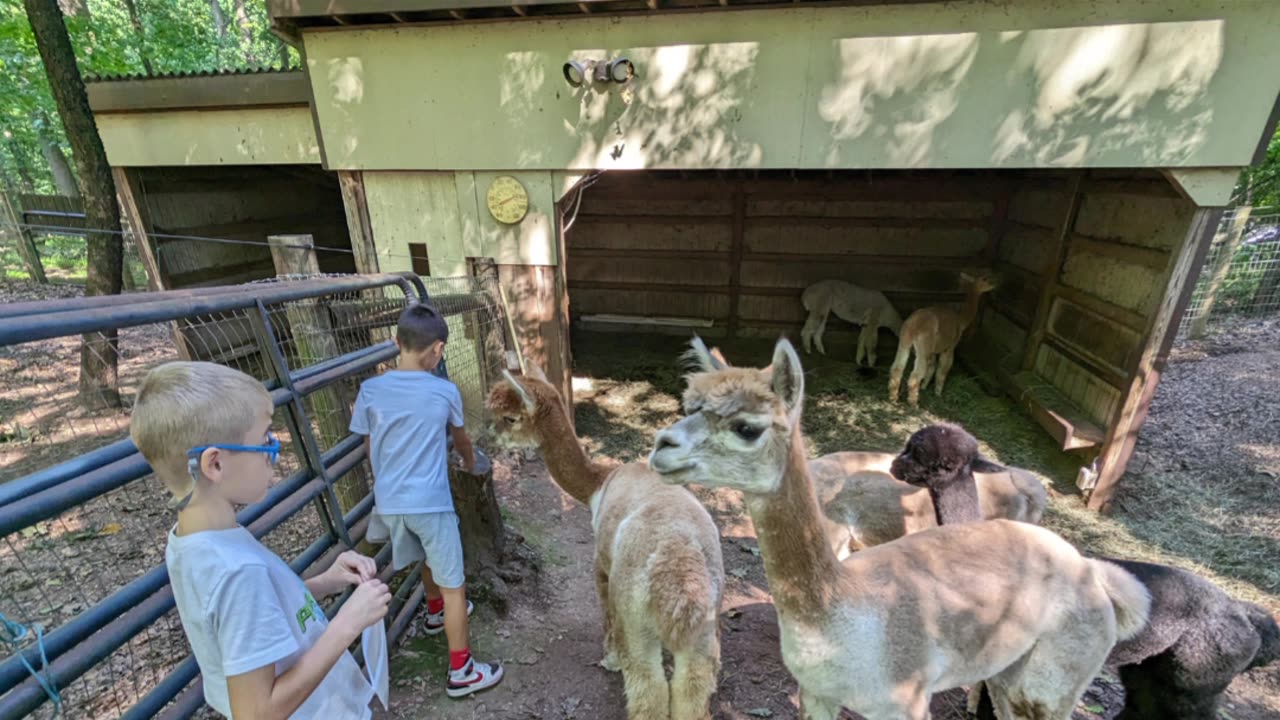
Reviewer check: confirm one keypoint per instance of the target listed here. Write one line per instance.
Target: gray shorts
(432, 537)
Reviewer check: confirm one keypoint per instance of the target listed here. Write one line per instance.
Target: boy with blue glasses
(405, 413)
(262, 642)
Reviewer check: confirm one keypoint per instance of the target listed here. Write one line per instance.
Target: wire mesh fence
(43, 236)
(1241, 275)
(68, 565)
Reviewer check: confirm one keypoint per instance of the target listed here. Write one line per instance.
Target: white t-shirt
(405, 413)
(242, 607)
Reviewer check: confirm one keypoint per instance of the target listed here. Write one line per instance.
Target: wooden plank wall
(1083, 257)
(739, 250)
(242, 203)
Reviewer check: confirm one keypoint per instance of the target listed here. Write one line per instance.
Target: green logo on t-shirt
(310, 610)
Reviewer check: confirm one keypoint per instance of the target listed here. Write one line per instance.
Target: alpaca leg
(944, 367)
(918, 373)
(899, 366)
(928, 372)
(645, 681)
(867, 344)
(610, 660)
(693, 681)
(813, 707)
(814, 327)
(1046, 682)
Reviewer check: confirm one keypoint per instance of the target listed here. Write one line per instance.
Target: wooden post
(1221, 267)
(26, 244)
(1040, 320)
(1122, 431)
(359, 226)
(314, 342)
(136, 214)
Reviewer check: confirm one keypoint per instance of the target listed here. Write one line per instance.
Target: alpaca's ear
(535, 372)
(983, 465)
(719, 357)
(700, 359)
(787, 377)
(525, 398)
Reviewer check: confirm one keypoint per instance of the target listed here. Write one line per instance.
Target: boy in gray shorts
(403, 414)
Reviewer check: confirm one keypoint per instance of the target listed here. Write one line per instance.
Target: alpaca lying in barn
(853, 304)
(864, 505)
(893, 624)
(1196, 640)
(933, 333)
(658, 565)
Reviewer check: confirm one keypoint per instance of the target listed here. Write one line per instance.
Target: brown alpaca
(893, 624)
(658, 565)
(934, 332)
(864, 504)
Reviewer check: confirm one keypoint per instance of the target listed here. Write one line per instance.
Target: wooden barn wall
(740, 251)
(1084, 259)
(241, 203)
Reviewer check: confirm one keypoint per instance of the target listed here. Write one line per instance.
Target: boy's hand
(352, 568)
(366, 606)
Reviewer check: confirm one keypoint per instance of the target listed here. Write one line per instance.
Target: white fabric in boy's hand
(373, 643)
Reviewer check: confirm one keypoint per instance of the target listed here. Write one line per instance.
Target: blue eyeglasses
(272, 449)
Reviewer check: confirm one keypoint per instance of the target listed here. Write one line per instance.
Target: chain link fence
(68, 565)
(1241, 275)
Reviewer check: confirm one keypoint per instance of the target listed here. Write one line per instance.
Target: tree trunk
(74, 8)
(99, 352)
(1221, 268)
(26, 183)
(284, 55)
(219, 18)
(141, 31)
(246, 33)
(63, 179)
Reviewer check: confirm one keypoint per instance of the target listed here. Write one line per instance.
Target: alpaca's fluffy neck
(956, 501)
(568, 464)
(970, 310)
(798, 560)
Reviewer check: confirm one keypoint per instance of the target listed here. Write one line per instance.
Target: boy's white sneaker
(472, 678)
(433, 624)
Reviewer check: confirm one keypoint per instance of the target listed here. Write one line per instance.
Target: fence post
(1221, 268)
(314, 341)
(26, 244)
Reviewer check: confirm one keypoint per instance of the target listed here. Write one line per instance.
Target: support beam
(1040, 320)
(1221, 266)
(1206, 187)
(133, 206)
(735, 255)
(359, 227)
(1122, 431)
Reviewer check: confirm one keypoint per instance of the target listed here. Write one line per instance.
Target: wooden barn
(694, 164)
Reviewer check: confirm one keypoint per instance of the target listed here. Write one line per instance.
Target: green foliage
(1259, 185)
(177, 36)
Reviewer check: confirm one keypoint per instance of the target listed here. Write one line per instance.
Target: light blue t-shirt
(405, 413)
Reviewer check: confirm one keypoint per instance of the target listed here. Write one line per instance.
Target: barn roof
(288, 17)
(251, 87)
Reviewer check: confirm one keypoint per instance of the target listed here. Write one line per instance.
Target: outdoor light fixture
(618, 70)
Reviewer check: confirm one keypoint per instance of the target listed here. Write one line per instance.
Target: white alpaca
(1006, 602)
(853, 304)
(658, 566)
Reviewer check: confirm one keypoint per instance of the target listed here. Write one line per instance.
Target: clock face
(508, 202)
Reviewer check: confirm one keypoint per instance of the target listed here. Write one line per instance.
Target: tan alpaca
(934, 332)
(658, 565)
(863, 504)
(1007, 602)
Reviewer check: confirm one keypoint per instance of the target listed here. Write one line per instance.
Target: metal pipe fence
(83, 523)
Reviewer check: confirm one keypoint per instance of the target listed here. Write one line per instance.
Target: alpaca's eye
(746, 431)
(510, 420)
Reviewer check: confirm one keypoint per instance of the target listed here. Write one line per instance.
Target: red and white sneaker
(472, 678)
(433, 623)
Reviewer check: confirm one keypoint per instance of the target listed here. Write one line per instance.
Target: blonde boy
(264, 647)
(404, 413)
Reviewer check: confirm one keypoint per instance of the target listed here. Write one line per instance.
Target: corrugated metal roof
(224, 72)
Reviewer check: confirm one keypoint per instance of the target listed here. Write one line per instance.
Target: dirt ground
(1193, 500)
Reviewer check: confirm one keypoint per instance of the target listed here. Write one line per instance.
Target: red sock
(435, 605)
(459, 658)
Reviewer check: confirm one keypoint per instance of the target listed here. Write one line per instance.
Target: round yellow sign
(508, 200)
